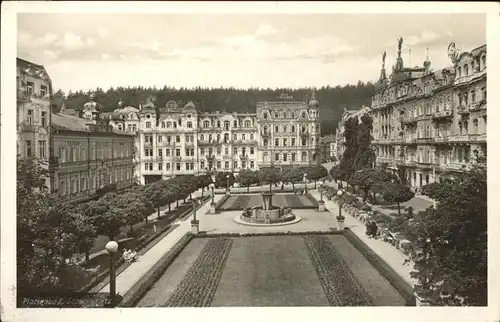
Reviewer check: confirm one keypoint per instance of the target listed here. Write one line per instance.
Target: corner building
(429, 123)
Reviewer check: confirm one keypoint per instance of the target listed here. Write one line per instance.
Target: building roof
(76, 124)
(32, 69)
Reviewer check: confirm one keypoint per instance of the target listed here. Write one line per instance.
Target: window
(148, 152)
(235, 164)
(276, 142)
(243, 151)
(187, 152)
(160, 138)
(226, 151)
(226, 138)
(243, 137)
(293, 157)
(285, 155)
(175, 125)
(41, 149)
(252, 164)
(30, 117)
(235, 137)
(303, 142)
(218, 151)
(29, 87)
(187, 166)
(28, 149)
(210, 137)
(243, 165)
(218, 164)
(466, 70)
(293, 141)
(483, 58)
(218, 123)
(252, 151)
(202, 151)
(178, 166)
(475, 124)
(44, 119)
(160, 152)
(459, 71)
(284, 128)
(62, 188)
(276, 115)
(226, 125)
(206, 124)
(167, 152)
(163, 124)
(304, 156)
(251, 137)
(167, 166)
(264, 156)
(177, 139)
(276, 129)
(148, 125)
(43, 90)
(177, 152)
(226, 165)
(190, 125)
(265, 142)
(304, 115)
(218, 137)
(483, 90)
(235, 151)
(265, 116)
(473, 96)
(276, 157)
(202, 164)
(210, 151)
(284, 142)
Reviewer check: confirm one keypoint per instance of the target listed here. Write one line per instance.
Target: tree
(269, 175)
(316, 172)
(293, 175)
(47, 234)
(81, 224)
(364, 156)
(451, 268)
(134, 206)
(248, 177)
(366, 178)
(347, 164)
(107, 215)
(221, 180)
(394, 192)
(156, 194)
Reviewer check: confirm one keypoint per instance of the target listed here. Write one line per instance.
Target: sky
(85, 51)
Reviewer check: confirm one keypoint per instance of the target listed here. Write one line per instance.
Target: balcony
(463, 109)
(23, 96)
(459, 138)
(478, 106)
(26, 127)
(479, 138)
(442, 115)
(425, 140)
(441, 139)
(410, 140)
(464, 80)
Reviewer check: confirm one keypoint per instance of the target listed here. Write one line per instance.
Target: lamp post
(212, 204)
(227, 184)
(195, 224)
(112, 248)
(321, 202)
(305, 183)
(340, 218)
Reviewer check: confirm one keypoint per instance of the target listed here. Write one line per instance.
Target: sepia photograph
(178, 159)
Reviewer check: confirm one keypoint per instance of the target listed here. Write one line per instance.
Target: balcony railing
(477, 106)
(481, 138)
(424, 140)
(23, 95)
(442, 114)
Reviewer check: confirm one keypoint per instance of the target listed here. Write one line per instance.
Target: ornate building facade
(175, 140)
(89, 155)
(426, 122)
(34, 90)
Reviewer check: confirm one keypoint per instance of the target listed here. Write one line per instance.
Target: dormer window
(275, 115)
(304, 115)
(459, 71)
(265, 116)
(206, 124)
(43, 90)
(466, 70)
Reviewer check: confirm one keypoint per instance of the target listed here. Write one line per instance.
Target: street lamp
(305, 182)
(212, 189)
(227, 184)
(195, 228)
(340, 218)
(321, 189)
(112, 248)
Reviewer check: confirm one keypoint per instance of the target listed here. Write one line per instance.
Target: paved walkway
(386, 251)
(132, 274)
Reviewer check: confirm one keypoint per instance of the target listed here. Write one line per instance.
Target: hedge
(287, 233)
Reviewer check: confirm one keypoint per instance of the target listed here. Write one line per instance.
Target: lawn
(240, 202)
(310, 270)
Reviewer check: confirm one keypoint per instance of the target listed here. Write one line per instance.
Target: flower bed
(339, 283)
(132, 297)
(198, 287)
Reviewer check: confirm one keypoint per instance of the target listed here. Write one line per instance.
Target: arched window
(475, 124)
(265, 116)
(483, 58)
(275, 115)
(243, 137)
(303, 129)
(148, 125)
(251, 136)
(473, 96)
(226, 138)
(304, 115)
(247, 123)
(206, 124)
(210, 137)
(175, 125)
(460, 127)
(466, 70)
(276, 129)
(459, 71)
(119, 127)
(293, 128)
(266, 142)
(265, 128)
(163, 124)
(235, 137)
(466, 126)
(202, 137)
(284, 128)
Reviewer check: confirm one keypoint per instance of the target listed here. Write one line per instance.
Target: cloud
(102, 32)
(72, 41)
(265, 29)
(50, 54)
(105, 56)
(26, 40)
(425, 38)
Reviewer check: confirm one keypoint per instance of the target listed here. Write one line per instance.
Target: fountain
(267, 214)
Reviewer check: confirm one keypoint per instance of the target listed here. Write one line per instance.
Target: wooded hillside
(332, 99)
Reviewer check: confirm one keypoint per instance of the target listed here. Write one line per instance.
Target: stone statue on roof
(400, 44)
(383, 59)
